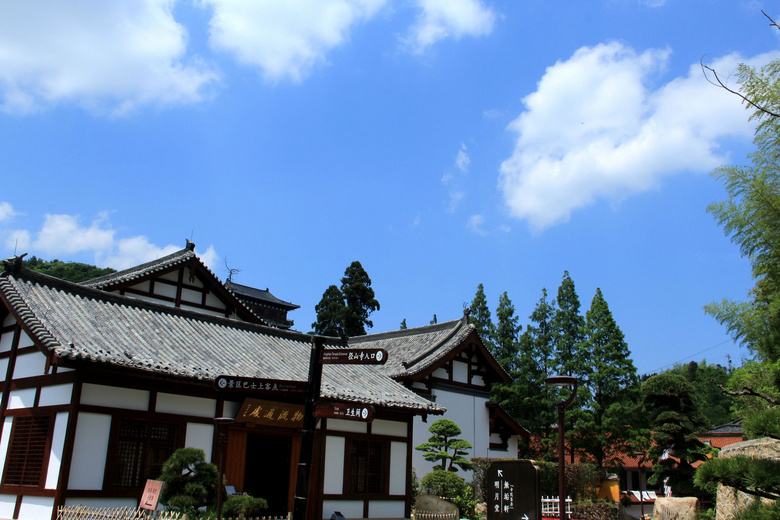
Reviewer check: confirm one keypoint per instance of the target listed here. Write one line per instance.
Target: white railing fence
(551, 506)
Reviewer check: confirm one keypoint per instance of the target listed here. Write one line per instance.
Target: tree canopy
(72, 271)
(444, 448)
(344, 311)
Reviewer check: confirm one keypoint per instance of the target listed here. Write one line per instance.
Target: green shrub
(189, 481)
(248, 505)
(445, 484)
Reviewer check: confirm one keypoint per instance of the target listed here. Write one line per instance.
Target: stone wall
(729, 499)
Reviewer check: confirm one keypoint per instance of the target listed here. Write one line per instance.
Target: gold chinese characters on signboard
(270, 413)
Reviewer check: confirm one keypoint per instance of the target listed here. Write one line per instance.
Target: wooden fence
(79, 512)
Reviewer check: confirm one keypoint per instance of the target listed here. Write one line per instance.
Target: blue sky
(442, 143)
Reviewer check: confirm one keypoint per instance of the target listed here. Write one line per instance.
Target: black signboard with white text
(513, 491)
(254, 385)
(354, 356)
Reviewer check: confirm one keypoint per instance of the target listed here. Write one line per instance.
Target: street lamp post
(568, 381)
(222, 424)
(641, 455)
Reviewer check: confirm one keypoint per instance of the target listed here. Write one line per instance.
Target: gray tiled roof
(181, 257)
(259, 294)
(412, 351)
(80, 323)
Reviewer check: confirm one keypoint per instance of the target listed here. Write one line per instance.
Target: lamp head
(561, 381)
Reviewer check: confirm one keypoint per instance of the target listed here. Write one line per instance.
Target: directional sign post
(354, 356)
(256, 385)
(513, 491)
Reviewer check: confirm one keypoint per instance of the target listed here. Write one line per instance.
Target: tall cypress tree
(479, 316)
(344, 311)
(506, 334)
(608, 425)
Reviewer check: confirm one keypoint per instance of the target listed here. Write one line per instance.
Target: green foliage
(755, 476)
(71, 271)
(415, 486)
(709, 398)
(569, 326)
(675, 420)
(249, 506)
(344, 311)
(506, 334)
(750, 217)
(582, 481)
(611, 421)
(479, 316)
(443, 484)
(548, 477)
(442, 442)
(189, 480)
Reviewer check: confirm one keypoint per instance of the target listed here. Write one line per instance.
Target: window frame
(110, 479)
(12, 448)
(351, 473)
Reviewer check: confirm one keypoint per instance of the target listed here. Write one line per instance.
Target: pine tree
(344, 311)
(479, 316)
(360, 300)
(506, 334)
(609, 424)
(675, 420)
(443, 441)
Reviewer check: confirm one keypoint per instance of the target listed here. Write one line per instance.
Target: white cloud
(452, 180)
(442, 19)
(6, 211)
(285, 39)
(475, 224)
(65, 236)
(104, 56)
(594, 130)
(462, 161)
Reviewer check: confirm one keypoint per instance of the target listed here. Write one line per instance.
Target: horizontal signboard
(256, 385)
(360, 412)
(355, 356)
(270, 413)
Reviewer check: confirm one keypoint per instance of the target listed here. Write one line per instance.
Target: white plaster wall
(231, 408)
(36, 508)
(21, 398)
(30, 365)
(3, 368)
(470, 414)
(460, 372)
(8, 321)
(386, 509)
(213, 301)
(112, 396)
(6, 339)
(25, 341)
(200, 435)
(341, 425)
(397, 468)
(7, 506)
(4, 440)
(383, 427)
(163, 289)
(57, 445)
(348, 508)
(55, 395)
(186, 405)
(334, 466)
(89, 451)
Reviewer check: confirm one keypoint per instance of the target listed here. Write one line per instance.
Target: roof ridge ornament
(190, 246)
(14, 264)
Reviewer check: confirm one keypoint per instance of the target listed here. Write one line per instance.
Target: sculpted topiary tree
(444, 447)
(189, 481)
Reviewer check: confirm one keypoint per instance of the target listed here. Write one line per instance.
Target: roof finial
(14, 264)
(190, 245)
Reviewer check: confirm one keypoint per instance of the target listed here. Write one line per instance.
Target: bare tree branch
(773, 24)
(719, 83)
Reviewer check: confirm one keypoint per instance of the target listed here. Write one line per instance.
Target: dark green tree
(360, 300)
(532, 404)
(445, 448)
(330, 313)
(750, 217)
(708, 382)
(344, 311)
(609, 424)
(190, 481)
(506, 334)
(569, 328)
(71, 271)
(674, 421)
(479, 316)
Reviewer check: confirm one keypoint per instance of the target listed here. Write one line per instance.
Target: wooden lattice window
(27, 452)
(141, 449)
(368, 467)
